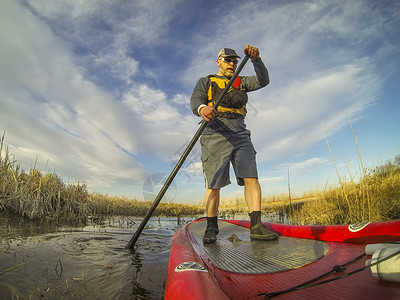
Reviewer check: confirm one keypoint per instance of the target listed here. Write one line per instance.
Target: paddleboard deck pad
(235, 252)
(235, 267)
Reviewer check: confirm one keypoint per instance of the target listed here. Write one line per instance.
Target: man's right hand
(208, 113)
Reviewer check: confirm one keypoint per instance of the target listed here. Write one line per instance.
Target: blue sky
(98, 91)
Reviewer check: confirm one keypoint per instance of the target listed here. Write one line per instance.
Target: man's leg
(252, 195)
(211, 201)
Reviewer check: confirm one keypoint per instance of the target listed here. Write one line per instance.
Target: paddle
(185, 154)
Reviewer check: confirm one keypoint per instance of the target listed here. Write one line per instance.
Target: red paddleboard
(324, 262)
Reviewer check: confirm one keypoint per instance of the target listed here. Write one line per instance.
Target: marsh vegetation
(374, 198)
(46, 197)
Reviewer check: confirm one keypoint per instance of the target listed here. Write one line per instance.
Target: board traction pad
(256, 257)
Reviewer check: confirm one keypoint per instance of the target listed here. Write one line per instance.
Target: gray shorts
(217, 154)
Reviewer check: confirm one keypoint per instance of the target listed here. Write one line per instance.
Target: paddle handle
(185, 154)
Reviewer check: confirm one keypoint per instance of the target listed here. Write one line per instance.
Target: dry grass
(105, 205)
(375, 198)
(45, 197)
(39, 197)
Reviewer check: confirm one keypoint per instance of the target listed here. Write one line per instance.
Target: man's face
(227, 66)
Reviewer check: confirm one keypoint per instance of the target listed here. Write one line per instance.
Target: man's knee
(250, 181)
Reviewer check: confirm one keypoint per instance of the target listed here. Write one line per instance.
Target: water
(91, 262)
(38, 261)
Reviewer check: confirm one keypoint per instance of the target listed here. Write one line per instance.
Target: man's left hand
(252, 51)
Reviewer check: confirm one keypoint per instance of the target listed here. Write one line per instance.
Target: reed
(45, 197)
(105, 205)
(376, 197)
(277, 207)
(36, 196)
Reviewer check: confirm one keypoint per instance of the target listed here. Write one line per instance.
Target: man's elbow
(264, 82)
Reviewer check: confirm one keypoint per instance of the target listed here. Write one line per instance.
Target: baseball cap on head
(227, 52)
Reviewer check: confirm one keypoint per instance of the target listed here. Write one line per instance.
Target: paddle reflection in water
(90, 262)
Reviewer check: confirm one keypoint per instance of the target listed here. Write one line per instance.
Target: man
(226, 140)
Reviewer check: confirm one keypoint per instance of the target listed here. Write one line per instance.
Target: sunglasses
(229, 60)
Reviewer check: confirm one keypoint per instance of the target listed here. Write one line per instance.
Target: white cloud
(181, 99)
(121, 65)
(106, 37)
(306, 166)
(271, 180)
(52, 112)
(80, 128)
(293, 114)
(164, 128)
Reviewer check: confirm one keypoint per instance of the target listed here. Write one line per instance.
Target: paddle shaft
(185, 154)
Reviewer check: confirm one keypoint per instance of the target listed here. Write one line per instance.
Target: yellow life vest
(234, 101)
